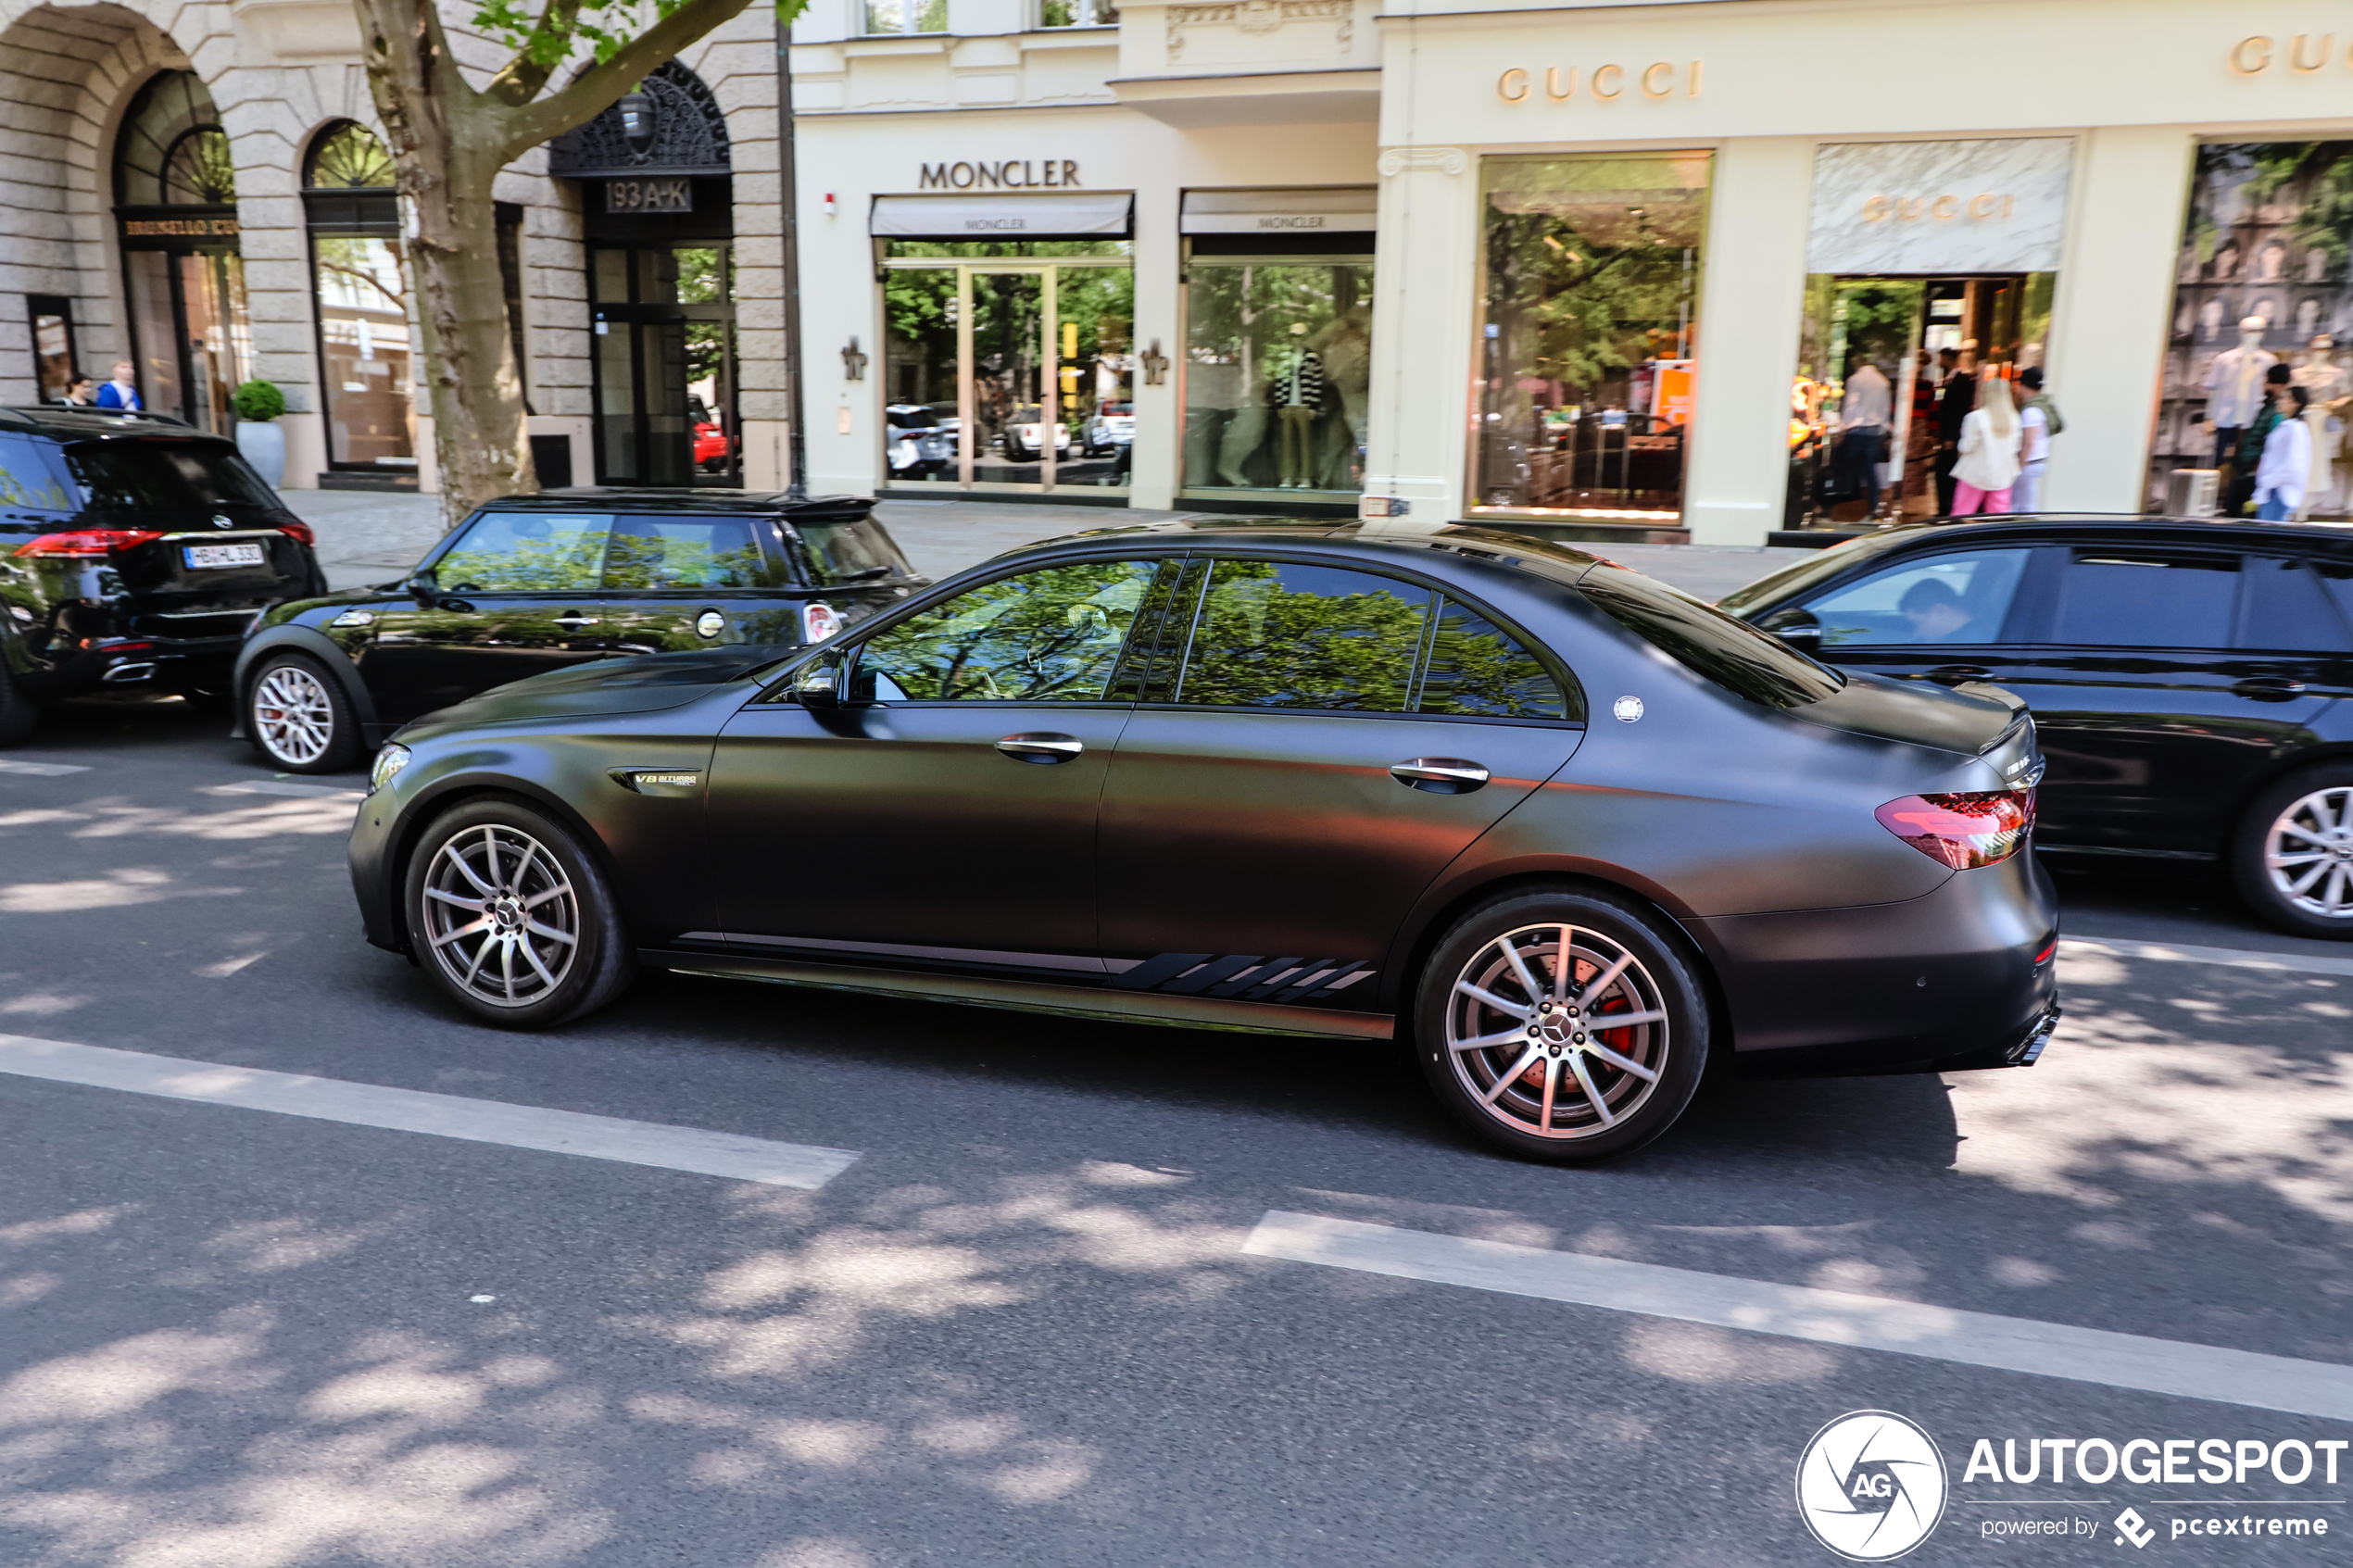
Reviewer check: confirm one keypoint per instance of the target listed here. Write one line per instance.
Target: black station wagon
(536, 583)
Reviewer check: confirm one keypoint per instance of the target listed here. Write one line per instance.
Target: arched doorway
(658, 216)
(175, 192)
(358, 278)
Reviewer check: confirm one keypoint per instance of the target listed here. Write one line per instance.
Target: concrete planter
(264, 444)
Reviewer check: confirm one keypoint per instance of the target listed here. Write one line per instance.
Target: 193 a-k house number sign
(667, 194)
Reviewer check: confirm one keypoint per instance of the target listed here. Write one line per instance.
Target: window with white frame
(1078, 13)
(906, 16)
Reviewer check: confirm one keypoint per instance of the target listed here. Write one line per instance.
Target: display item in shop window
(2234, 384)
(1297, 397)
(2326, 384)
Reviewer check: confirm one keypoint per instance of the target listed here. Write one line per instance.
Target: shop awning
(1339, 208)
(1042, 215)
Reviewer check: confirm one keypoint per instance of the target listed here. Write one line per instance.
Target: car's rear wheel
(1561, 1027)
(298, 717)
(2293, 854)
(512, 919)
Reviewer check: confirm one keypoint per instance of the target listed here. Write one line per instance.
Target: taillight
(84, 541)
(1963, 831)
(299, 530)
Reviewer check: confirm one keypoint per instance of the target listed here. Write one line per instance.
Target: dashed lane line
(665, 1146)
(1829, 1317)
(288, 787)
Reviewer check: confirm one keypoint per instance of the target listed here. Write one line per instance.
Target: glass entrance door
(1004, 375)
(665, 366)
(194, 339)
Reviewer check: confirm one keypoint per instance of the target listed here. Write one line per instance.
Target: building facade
(1605, 269)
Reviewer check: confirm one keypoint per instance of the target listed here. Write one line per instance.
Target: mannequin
(2234, 390)
(2327, 383)
(1347, 349)
(1297, 397)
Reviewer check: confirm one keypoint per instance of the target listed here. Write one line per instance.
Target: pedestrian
(2286, 465)
(81, 393)
(1955, 396)
(1987, 466)
(122, 391)
(2038, 421)
(2248, 458)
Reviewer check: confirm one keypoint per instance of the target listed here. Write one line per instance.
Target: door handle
(2267, 688)
(575, 621)
(1955, 674)
(1439, 775)
(1044, 747)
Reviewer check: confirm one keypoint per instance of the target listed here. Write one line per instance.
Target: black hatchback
(134, 552)
(532, 583)
(2188, 679)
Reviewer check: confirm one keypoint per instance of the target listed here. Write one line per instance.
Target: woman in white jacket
(2286, 468)
(1989, 444)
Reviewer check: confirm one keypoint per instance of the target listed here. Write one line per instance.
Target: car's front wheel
(514, 920)
(1561, 1027)
(299, 718)
(2293, 854)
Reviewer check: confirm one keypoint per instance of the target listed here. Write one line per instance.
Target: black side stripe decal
(1148, 975)
(1210, 974)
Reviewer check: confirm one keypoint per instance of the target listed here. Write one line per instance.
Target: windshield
(850, 552)
(1731, 653)
(152, 475)
(913, 418)
(1775, 586)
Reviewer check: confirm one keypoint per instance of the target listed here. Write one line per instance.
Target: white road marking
(1829, 1317)
(40, 769)
(300, 791)
(2222, 958)
(415, 1110)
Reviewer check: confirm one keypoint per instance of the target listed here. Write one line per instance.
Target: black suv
(536, 583)
(134, 552)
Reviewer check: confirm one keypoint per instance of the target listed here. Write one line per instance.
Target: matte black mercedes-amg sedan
(1571, 834)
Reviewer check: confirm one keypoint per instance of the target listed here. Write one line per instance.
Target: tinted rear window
(2286, 607)
(1731, 653)
(2130, 599)
(850, 552)
(163, 476)
(28, 481)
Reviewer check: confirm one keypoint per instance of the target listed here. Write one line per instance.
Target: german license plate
(201, 557)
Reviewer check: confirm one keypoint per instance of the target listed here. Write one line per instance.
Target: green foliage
(1275, 635)
(513, 553)
(258, 401)
(1052, 636)
(546, 37)
(688, 555)
(1475, 668)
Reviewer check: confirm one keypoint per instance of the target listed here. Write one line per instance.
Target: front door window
(1043, 636)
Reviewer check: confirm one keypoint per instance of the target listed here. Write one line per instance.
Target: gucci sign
(1661, 78)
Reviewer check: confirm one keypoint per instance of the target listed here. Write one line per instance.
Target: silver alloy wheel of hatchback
(500, 917)
(2309, 853)
(293, 715)
(1558, 1031)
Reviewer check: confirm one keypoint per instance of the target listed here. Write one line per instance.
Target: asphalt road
(1021, 1329)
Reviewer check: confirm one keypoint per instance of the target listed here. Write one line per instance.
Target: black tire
(1548, 1039)
(296, 716)
(2306, 819)
(538, 873)
(17, 712)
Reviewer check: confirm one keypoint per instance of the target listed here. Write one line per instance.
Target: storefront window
(1277, 370)
(1589, 337)
(2269, 239)
(55, 360)
(175, 199)
(362, 302)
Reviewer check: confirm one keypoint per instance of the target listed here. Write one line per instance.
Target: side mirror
(819, 686)
(421, 587)
(1794, 626)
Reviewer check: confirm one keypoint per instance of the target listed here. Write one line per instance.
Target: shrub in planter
(258, 403)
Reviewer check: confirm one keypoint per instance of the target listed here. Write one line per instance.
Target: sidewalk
(366, 537)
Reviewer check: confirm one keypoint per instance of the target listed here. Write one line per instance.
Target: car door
(1315, 744)
(946, 808)
(2155, 712)
(673, 582)
(513, 594)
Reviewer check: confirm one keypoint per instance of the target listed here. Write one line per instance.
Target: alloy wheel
(294, 714)
(2309, 853)
(1558, 1031)
(500, 916)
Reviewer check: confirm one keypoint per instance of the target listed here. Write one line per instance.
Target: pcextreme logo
(1871, 1485)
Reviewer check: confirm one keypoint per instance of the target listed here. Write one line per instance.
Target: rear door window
(2286, 607)
(160, 474)
(526, 553)
(1050, 635)
(2335, 578)
(1284, 635)
(28, 481)
(1958, 598)
(686, 553)
(2129, 598)
(1477, 670)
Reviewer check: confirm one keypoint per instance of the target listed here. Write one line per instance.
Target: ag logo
(1870, 1486)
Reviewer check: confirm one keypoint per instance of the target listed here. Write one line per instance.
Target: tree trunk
(478, 436)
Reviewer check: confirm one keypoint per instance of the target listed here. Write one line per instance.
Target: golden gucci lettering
(1657, 80)
(2305, 53)
(1937, 209)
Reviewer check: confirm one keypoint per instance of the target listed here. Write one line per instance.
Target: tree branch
(550, 36)
(601, 85)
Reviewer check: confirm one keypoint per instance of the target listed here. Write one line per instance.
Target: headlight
(390, 761)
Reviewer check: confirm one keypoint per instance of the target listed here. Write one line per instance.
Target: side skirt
(1028, 995)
